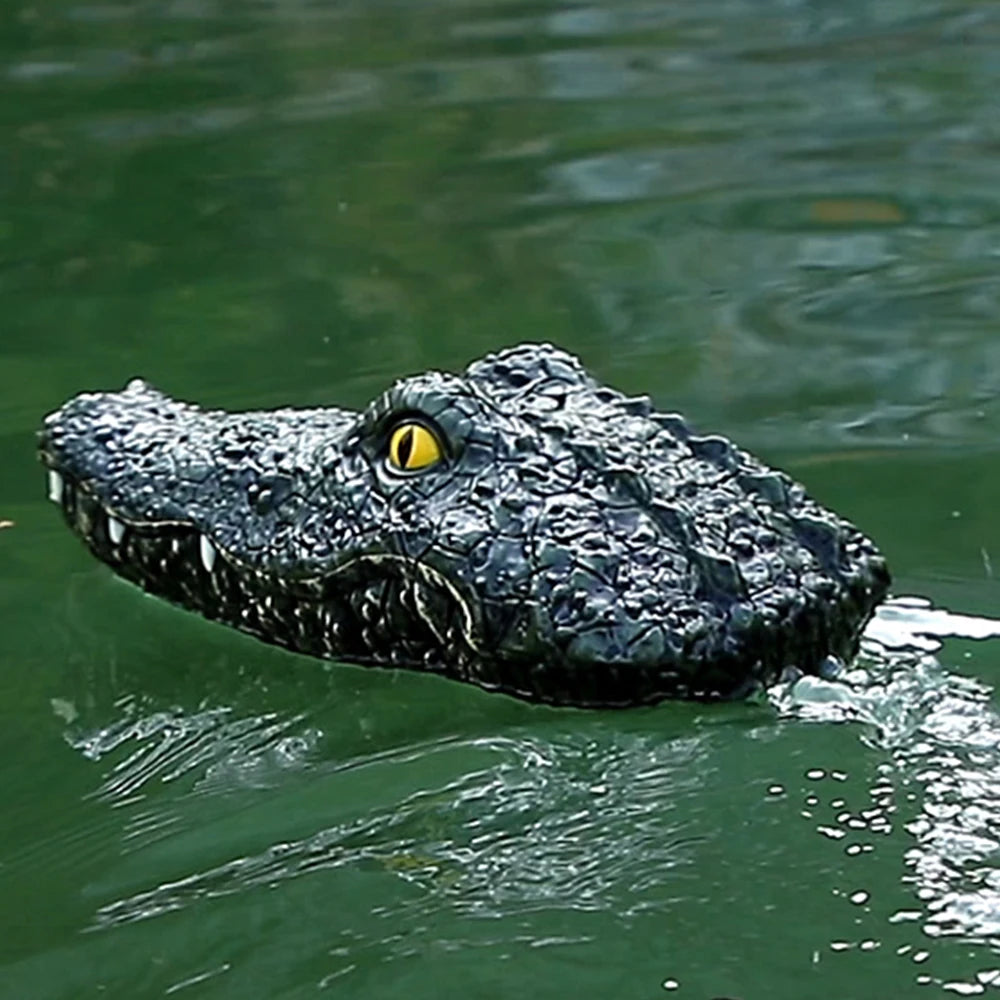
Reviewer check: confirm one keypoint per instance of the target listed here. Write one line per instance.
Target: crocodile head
(519, 526)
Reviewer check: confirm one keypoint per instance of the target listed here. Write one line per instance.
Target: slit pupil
(406, 447)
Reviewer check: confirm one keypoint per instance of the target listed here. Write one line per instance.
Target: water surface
(778, 217)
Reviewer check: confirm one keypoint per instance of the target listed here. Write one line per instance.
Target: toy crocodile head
(519, 526)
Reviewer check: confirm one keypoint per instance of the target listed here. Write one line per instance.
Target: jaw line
(431, 575)
(210, 549)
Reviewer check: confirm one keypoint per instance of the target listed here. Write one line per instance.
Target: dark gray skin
(573, 546)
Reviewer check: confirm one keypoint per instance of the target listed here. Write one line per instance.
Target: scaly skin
(573, 546)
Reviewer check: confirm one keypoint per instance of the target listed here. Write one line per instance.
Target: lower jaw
(175, 561)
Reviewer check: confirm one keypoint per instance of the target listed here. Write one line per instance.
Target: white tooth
(207, 553)
(116, 530)
(55, 486)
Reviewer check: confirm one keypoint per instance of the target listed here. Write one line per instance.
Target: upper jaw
(145, 479)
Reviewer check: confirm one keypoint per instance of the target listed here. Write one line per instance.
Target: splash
(941, 735)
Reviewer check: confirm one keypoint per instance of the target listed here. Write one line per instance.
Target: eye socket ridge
(413, 446)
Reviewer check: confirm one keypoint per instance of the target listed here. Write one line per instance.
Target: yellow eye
(413, 446)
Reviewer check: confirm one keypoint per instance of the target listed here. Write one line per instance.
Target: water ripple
(222, 751)
(534, 824)
(756, 215)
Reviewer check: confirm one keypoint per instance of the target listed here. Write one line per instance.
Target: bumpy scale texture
(572, 546)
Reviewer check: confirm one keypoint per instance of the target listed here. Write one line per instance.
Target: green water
(780, 218)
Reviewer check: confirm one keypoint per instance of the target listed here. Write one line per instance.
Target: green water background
(780, 218)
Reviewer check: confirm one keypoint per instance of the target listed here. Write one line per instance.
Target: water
(778, 217)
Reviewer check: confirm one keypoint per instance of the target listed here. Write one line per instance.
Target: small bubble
(838, 775)
(815, 774)
(859, 897)
(870, 944)
(670, 984)
(840, 945)
(812, 800)
(776, 790)
(852, 849)
(921, 956)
